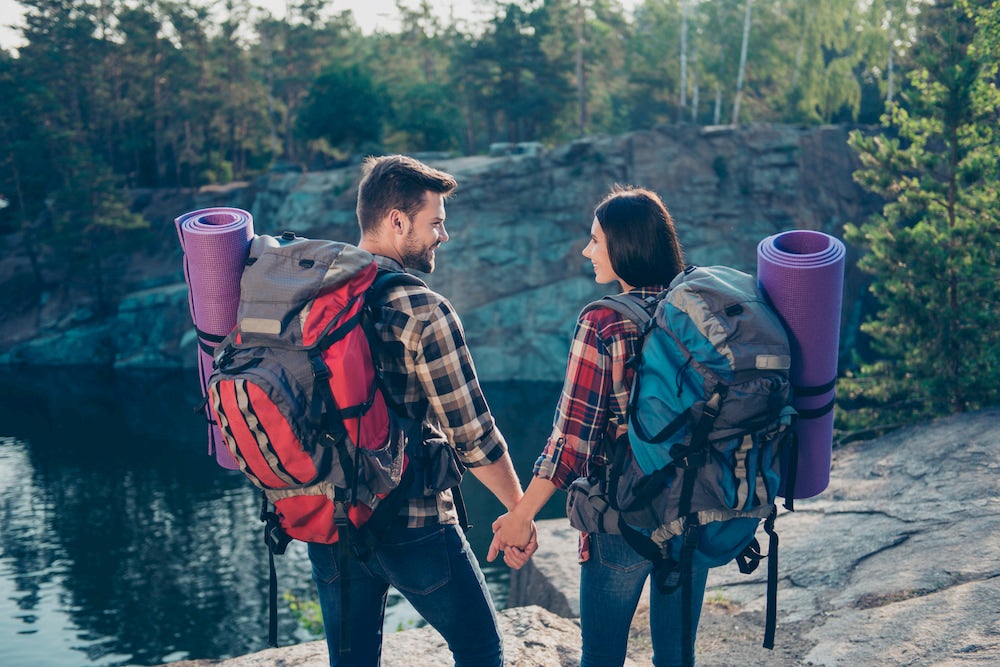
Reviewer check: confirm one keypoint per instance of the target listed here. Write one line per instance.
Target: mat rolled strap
(216, 243)
(802, 274)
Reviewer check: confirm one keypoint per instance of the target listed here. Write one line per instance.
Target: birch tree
(742, 68)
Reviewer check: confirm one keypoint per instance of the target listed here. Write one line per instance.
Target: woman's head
(634, 229)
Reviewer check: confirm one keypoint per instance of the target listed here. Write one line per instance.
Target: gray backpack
(709, 432)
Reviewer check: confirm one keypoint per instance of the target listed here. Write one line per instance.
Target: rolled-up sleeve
(446, 372)
(594, 394)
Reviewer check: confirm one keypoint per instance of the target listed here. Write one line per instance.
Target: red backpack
(296, 393)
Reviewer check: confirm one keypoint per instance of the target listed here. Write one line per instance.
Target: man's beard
(421, 259)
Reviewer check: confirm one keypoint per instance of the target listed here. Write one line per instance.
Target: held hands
(516, 537)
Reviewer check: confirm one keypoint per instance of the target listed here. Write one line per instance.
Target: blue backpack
(710, 421)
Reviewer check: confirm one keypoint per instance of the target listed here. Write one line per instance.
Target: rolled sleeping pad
(802, 274)
(216, 244)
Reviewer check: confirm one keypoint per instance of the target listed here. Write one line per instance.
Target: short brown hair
(396, 182)
(642, 242)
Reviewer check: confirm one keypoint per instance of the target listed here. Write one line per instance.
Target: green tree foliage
(345, 107)
(823, 81)
(290, 55)
(934, 250)
(512, 89)
(652, 53)
(424, 114)
(112, 95)
(70, 205)
(426, 119)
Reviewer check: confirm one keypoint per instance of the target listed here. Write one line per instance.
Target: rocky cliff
(896, 563)
(513, 267)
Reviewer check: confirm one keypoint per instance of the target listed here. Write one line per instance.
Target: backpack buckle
(275, 537)
(224, 358)
(340, 514)
(319, 367)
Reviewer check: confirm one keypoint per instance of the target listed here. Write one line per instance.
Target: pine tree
(933, 252)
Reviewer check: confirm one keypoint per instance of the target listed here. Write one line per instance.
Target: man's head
(401, 209)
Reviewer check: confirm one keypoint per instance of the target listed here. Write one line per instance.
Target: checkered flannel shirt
(428, 370)
(594, 402)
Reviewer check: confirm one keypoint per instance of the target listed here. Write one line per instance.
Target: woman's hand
(516, 557)
(513, 528)
(514, 532)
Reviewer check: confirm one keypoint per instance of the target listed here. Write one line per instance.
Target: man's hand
(513, 555)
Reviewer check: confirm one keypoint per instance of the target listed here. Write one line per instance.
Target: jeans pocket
(614, 552)
(419, 566)
(324, 563)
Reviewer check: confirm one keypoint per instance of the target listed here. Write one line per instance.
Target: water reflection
(122, 543)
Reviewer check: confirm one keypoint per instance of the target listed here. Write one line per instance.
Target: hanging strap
(770, 613)
(460, 509)
(272, 607)
(342, 521)
(688, 547)
(791, 470)
(276, 541)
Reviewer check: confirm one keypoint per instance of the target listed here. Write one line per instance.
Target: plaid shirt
(429, 372)
(593, 406)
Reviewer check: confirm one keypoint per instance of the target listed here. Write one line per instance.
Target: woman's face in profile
(597, 252)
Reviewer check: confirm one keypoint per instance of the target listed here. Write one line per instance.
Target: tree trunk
(276, 149)
(743, 63)
(581, 71)
(890, 66)
(694, 98)
(684, 39)
(800, 51)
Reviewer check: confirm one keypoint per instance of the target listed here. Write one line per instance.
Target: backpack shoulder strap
(387, 279)
(631, 306)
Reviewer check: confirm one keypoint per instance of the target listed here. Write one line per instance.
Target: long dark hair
(642, 242)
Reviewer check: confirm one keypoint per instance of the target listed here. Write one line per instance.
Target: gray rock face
(518, 223)
(896, 563)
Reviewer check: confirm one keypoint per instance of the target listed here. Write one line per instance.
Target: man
(429, 373)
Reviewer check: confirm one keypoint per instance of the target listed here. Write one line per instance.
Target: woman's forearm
(538, 493)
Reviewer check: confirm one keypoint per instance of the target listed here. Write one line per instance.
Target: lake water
(123, 543)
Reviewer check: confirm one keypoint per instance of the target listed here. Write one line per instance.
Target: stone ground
(895, 564)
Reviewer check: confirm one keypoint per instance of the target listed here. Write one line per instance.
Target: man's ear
(398, 221)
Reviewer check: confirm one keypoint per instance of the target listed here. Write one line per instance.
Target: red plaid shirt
(594, 402)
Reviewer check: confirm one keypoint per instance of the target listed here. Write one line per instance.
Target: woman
(633, 243)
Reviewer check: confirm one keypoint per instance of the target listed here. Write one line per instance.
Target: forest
(104, 97)
(111, 94)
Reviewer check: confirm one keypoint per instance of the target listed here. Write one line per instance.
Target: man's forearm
(499, 477)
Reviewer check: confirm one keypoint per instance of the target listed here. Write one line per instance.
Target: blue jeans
(434, 568)
(611, 582)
